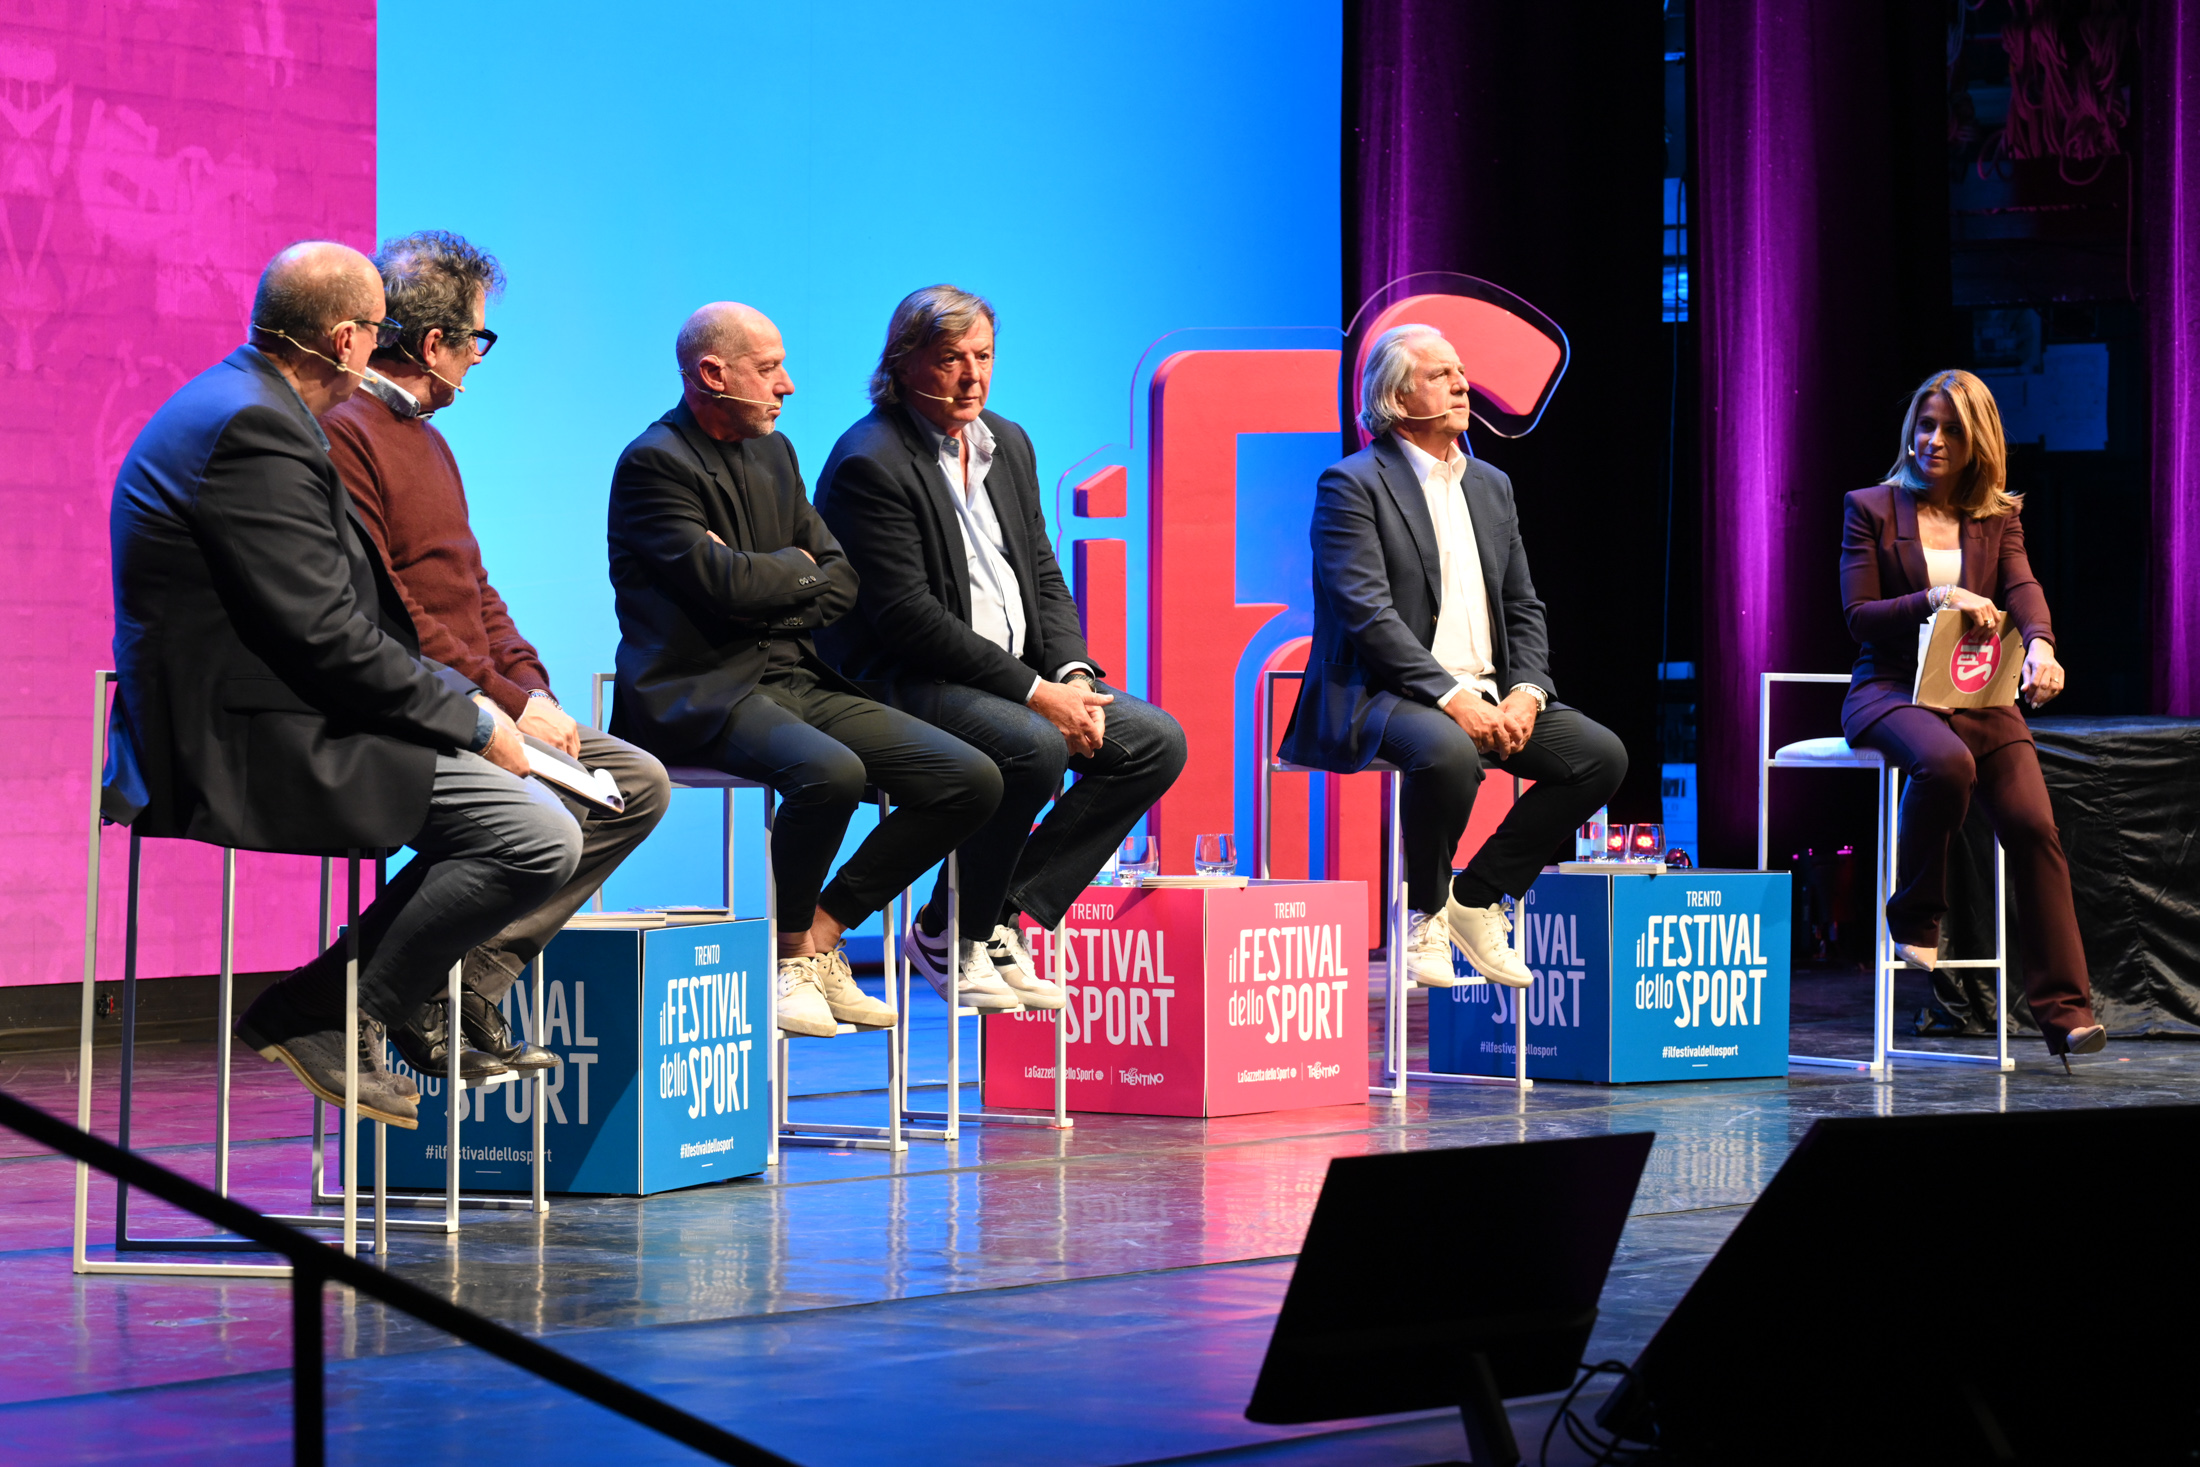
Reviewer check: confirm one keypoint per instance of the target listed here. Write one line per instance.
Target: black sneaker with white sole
(978, 985)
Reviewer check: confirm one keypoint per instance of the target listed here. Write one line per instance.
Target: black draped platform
(2126, 793)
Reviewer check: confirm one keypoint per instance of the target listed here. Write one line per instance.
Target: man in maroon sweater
(405, 484)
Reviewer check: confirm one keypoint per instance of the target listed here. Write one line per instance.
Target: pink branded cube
(1207, 1002)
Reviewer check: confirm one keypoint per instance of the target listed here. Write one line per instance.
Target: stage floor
(1097, 1296)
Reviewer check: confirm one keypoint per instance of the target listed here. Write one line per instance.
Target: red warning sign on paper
(1976, 658)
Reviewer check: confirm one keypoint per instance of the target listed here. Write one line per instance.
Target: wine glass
(1214, 855)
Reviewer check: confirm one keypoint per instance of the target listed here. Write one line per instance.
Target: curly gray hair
(432, 279)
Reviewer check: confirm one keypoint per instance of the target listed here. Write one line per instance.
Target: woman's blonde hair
(1984, 492)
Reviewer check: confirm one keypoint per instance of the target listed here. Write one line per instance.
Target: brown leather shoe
(314, 1050)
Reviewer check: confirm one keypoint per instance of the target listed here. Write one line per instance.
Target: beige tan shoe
(846, 999)
(801, 1008)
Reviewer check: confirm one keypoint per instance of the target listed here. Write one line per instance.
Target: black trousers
(1575, 762)
(818, 748)
(1009, 867)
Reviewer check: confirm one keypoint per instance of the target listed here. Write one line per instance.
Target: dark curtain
(1524, 144)
(1822, 291)
(2169, 211)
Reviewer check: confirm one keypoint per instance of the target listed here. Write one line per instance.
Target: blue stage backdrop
(1104, 174)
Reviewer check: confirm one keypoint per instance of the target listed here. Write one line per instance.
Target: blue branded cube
(666, 1036)
(1680, 976)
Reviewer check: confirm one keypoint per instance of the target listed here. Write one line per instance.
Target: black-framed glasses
(386, 331)
(483, 340)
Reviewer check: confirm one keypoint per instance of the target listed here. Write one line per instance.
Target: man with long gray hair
(1430, 653)
(964, 621)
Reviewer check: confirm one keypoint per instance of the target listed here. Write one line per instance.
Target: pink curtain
(2169, 209)
(1821, 237)
(151, 160)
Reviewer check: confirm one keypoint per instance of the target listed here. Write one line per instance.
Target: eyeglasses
(386, 331)
(483, 340)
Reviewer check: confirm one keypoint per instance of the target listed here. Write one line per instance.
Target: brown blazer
(1883, 590)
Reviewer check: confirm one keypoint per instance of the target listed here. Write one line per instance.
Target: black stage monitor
(1449, 1278)
(1945, 1289)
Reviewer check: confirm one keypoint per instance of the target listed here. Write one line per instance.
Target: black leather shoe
(421, 1042)
(485, 1029)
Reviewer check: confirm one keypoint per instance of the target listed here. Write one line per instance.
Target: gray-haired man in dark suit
(1430, 653)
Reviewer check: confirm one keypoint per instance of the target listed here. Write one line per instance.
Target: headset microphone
(727, 396)
(309, 351)
(933, 395)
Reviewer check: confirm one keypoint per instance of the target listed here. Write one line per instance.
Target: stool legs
(1999, 962)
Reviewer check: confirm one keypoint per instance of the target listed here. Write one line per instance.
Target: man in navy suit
(1430, 653)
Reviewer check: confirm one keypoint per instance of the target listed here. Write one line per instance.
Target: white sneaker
(849, 1003)
(978, 983)
(1479, 932)
(1428, 952)
(1013, 961)
(802, 1008)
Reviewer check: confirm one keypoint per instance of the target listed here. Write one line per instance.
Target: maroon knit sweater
(404, 481)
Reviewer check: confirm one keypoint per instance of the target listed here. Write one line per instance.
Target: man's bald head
(722, 329)
(309, 289)
(733, 370)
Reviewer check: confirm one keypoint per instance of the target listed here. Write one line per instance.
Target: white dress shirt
(996, 596)
(1463, 645)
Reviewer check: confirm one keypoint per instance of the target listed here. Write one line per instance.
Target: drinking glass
(1137, 860)
(1615, 841)
(1214, 855)
(1646, 843)
(1589, 840)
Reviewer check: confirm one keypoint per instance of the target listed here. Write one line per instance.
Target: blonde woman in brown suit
(1944, 530)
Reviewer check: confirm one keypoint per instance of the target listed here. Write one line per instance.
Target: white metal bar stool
(1397, 979)
(942, 1125)
(102, 684)
(1835, 753)
(894, 966)
(346, 1195)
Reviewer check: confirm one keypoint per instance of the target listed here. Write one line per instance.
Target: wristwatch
(1542, 699)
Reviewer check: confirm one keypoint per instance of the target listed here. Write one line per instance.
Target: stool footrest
(225, 1243)
(842, 1143)
(1440, 1077)
(1936, 1057)
(1835, 1064)
(994, 1117)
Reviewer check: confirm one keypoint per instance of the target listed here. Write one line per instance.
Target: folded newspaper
(1962, 666)
(594, 788)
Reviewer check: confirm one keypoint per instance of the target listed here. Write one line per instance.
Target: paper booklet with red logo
(1962, 666)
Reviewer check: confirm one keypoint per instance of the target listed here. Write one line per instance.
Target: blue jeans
(1007, 867)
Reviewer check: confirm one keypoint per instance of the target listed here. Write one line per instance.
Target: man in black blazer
(1430, 653)
(722, 572)
(272, 693)
(963, 620)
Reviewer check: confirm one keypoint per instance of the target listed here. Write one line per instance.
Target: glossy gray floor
(1096, 1296)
